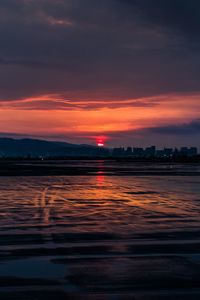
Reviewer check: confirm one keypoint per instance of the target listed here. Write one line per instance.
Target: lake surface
(99, 236)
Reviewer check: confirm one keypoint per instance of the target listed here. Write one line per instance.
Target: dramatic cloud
(181, 17)
(91, 55)
(192, 128)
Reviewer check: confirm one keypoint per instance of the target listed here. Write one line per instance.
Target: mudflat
(109, 235)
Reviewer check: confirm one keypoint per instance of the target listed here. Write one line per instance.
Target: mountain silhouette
(32, 147)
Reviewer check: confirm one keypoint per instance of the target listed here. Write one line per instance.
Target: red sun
(100, 141)
(100, 144)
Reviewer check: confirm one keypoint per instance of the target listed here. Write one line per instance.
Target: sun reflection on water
(96, 203)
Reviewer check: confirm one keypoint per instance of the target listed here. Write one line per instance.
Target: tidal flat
(111, 231)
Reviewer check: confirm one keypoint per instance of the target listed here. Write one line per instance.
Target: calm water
(100, 237)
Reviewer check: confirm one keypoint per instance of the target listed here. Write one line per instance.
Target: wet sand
(100, 237)
(90, 272)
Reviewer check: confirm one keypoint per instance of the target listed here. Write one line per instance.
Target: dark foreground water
(100, 237)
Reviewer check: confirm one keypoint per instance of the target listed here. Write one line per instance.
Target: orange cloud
(15, 117)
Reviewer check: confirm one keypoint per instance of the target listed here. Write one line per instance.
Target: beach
(99, 230)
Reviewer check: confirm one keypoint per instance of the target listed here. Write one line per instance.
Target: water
(100, 237)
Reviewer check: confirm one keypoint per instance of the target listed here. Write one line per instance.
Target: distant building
(168, 152)
(188, 152)
(184, 151)
(129, 151)
(118, 152)
(138, 152)
(150, 151)
(192, 152)
(159, 153)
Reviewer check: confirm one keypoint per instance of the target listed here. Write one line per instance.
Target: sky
(76, 70)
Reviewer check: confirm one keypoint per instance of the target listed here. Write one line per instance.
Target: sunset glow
(59, 123)
(128, 78)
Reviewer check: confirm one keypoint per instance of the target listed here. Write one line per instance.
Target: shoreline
(96, 168)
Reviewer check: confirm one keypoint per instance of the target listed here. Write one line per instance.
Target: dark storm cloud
(179, 16)
(126, 49)
(192, 128)
(185, 134)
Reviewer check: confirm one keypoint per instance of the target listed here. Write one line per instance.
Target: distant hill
(32, 147)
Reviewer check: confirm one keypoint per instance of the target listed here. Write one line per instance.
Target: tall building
(168, 152)
(129, 151)
(118, 152)
(138, 152)
(150, 151)
(192, 151)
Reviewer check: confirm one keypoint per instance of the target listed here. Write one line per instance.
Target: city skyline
(28, 148)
